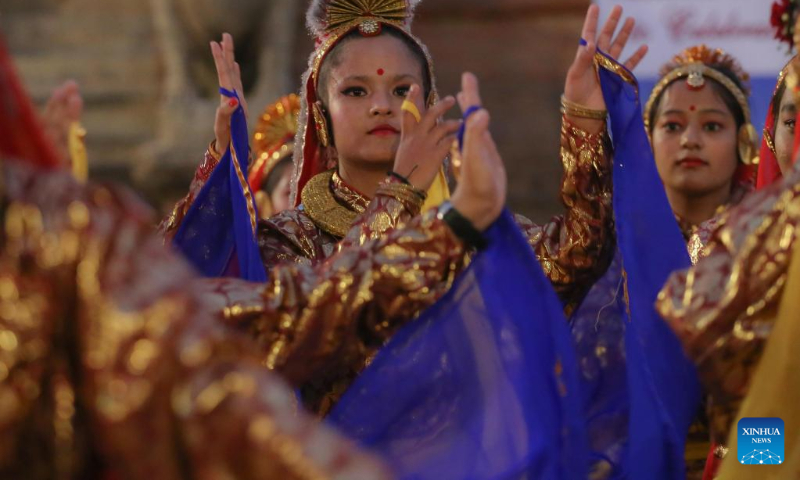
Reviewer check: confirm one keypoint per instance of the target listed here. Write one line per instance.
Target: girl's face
(365, 90)
(784, 131)
(280, 195)
(695, 141)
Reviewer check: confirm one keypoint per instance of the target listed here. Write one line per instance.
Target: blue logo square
(760, 441)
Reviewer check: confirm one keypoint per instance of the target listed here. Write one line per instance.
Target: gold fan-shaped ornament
(274, 133)
(368, 14)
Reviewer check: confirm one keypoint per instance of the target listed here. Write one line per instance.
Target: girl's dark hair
(725, 94)
(777, 97)
(274, 177)
(333, 59)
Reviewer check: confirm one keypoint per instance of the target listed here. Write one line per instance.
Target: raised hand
(230, 78)
(582, 85)
(62, 112)
(424, 145)
(481, 192)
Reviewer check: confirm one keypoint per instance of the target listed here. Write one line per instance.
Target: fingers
(53, 104)
(223, 70)
(445, 131)
(237, 76)
(431, 117)
(589, 32)
(239, 87)
(618, 45)
(74, 108)
(228, 72)
(227, 48)
(636, 58)
(584, 60)
(604, 40)
(470, 95)
(227, 107)
(409, 122)
(474, 138)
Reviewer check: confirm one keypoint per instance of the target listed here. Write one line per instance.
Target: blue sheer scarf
(483, 385)
(218, 233)
(640, 390)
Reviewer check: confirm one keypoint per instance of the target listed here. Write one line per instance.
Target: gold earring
(431, 100)
(748, 139)
(321, 124)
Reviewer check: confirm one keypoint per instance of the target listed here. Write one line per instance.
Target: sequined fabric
(111, 366)
(719, 308)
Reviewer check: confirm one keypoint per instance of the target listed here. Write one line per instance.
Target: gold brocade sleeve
(574, 249)
(722, 308)
(170, 225)
(320, 325)
(112, 366)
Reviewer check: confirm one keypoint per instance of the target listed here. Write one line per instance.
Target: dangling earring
(748, 138)
(321, 124)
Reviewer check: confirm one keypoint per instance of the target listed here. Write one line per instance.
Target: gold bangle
(580, 111)
(409, 196)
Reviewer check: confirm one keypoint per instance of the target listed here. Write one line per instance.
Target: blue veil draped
(483, 385)
(640, 390)
(218, 233)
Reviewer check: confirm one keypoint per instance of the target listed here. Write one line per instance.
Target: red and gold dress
(723, 308)
(111, 365)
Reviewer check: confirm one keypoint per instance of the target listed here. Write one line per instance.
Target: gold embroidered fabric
(112, 367)
(331, 204)
(719, 308)
(575, 249)
(775, 387)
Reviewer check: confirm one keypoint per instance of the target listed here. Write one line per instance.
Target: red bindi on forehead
(381, 72)
(692, 108)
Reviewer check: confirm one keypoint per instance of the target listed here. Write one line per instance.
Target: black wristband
(462, 227)
(398, 176)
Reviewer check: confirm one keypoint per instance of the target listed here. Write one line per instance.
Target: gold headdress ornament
(698, 63)
(330, 21)
(273, 139)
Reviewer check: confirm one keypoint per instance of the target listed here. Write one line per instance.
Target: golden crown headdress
(273, 138)
(325, 18)
(697, 63)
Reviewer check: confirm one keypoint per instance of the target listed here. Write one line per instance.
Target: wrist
(590, 116)
(478, 213)
(411, 198)
(461, 226)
